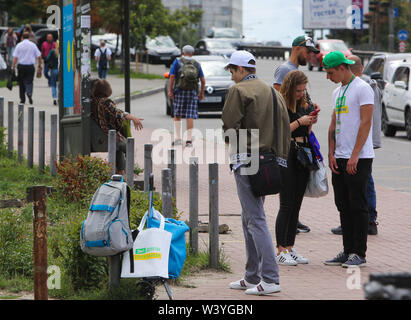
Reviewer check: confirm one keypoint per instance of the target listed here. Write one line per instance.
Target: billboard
(334, 14)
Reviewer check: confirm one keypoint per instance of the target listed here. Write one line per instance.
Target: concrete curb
(143, 94)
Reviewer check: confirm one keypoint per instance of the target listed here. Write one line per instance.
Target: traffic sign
(401, 46)
(403, 35)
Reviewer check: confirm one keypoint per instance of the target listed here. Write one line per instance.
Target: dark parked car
(214, 47)
(41, 35)
(218, 81)
(160, 50)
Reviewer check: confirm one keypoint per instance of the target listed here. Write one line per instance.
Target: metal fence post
(213, 215)
(166, 193)
(10, 129)
(172, 166)
(112, 150)
(130, 162)
(30, 138)
(39, 196)
(20, 132)
(1, 111)
(193, 204)
(148, 165)
(53, 144)
(42, 140)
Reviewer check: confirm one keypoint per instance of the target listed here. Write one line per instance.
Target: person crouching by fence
(249, 105)
(109, 117)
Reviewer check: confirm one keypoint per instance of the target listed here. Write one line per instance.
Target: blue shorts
(186, 104)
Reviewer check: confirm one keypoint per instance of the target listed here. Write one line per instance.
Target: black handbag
(268, 178)
(305, 157)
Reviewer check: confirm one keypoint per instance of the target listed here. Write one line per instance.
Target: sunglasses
(308, 42)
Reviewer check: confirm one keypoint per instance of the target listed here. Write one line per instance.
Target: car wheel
(408, 123)
(310, 66)
(388, 130)
(320, 68)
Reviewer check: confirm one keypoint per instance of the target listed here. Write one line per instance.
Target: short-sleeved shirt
(282, 71)
(105, 50)
(174, 70)
(26, 53)
(358, 94)
(46, 47)
(301, 131)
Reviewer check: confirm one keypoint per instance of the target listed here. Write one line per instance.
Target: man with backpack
(102, 57)
(183, 89)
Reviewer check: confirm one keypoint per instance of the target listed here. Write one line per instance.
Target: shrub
(16, 244)
(79, 178)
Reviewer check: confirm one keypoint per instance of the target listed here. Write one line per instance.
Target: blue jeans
(371, 199)
(102, 74)
(53, 82)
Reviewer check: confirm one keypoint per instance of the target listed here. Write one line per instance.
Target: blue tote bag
(177, 255)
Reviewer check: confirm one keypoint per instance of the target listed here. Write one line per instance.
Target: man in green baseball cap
(350, 156)
(337, 67)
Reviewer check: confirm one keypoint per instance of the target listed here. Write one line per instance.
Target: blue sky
(278, 20)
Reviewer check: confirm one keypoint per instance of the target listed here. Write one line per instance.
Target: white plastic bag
(150, 252)
(317, 185)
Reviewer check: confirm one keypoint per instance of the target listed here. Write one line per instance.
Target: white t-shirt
(26, 52)
(106, 50)
(358, 94)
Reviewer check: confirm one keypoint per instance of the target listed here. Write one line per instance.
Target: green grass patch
(83, 277)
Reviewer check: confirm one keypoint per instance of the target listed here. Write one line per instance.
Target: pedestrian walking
(183, 90)
(10, 42)
(350, 156)
(25, 56)
(295, 176)
(249, 105)
(302, 46)
(109, 117)
(32, 37)
(46, 47)
(102, 57)
(357, 69)
(52, 63)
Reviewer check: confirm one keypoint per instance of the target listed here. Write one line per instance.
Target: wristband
(299, 124)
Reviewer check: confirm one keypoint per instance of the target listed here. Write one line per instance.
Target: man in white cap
(250, 105)
(183, 89)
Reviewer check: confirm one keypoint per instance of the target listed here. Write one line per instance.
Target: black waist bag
(268, 178)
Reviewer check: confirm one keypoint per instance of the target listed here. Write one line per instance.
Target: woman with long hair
(52, 60)
(295, 177)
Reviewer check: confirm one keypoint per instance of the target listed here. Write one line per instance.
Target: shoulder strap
(275, 120)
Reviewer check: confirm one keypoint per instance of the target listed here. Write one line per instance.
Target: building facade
(217, 13)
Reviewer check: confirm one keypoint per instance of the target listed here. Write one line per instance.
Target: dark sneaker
(338, 260)
(354, 260)
(372, 228)
(302, 228)
(30, 99)
(337, 230)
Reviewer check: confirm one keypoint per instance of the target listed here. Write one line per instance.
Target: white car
(396, 102)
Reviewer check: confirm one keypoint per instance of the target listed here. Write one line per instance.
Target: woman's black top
(301, 131)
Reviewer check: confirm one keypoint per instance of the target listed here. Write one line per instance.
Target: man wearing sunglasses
(300, 53)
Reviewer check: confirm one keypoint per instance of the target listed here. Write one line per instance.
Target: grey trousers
(260, 254)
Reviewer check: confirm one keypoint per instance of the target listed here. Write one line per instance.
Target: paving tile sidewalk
(386, 251)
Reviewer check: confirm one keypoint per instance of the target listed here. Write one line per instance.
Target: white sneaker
(297, 257)
(241, 285)
(263, 288)
(285, 259)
